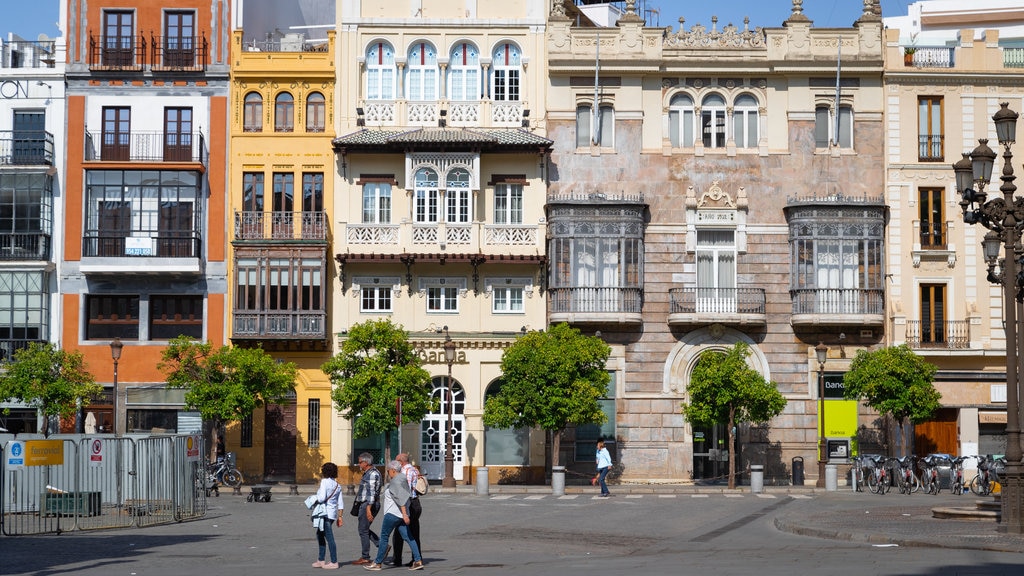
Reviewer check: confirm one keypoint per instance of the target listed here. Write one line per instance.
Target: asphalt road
(537, 534)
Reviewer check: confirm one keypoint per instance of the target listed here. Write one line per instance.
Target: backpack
(421, 486)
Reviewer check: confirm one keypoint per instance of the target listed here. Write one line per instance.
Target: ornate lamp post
(449, 452)
(1004, 218)
(821, 351)
(115, 354)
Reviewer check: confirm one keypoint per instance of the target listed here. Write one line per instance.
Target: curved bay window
(597, 254)
(837, 254)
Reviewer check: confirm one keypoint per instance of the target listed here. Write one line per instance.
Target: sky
(29, 18)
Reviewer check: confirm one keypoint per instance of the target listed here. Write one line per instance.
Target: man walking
(411, 474)
(367, 501)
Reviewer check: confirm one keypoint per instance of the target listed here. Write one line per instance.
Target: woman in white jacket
(329, 494)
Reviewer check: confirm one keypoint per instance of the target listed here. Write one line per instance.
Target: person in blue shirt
(604, 466)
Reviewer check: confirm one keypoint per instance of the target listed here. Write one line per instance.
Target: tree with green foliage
(53, 380)
(375, 366)
(225, 384)
(895, 382)
(551, 379)
(724, 388)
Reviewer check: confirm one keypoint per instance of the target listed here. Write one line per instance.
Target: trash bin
(798, 471)
(756, 478)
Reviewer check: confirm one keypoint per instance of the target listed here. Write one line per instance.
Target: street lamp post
(1004, 218)
(115, 354)
(821, 352)
(449, 452)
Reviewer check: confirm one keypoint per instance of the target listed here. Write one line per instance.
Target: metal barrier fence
(76, 482)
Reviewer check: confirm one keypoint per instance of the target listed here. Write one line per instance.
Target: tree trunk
(732, 447)
(556, 446)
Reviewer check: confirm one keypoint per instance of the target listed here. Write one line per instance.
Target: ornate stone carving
(729, 37)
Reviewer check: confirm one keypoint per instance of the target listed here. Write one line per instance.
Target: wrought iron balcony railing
(281, 226)
(697, 300)
(135, 53)
(950, 334)
(129, 244)
(26, 148)
(597, 300)
(929, 148)
(838, 301)
(276, 324)
(145, 147)
(25, 246)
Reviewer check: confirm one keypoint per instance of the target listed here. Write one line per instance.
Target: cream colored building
(948, 67)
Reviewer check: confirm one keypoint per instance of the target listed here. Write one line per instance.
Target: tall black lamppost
(1004, 218)
(449, 452)
(115, 353)
(821, 351)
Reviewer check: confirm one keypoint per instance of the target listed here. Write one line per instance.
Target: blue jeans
(601, 474)
(326, 537)
(390, 522)
(366, 536)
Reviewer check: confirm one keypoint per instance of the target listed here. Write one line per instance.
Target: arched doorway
(434, 430)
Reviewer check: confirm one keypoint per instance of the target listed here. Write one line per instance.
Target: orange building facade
(143, 258)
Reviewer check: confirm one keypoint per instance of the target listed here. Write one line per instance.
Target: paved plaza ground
(527, 531)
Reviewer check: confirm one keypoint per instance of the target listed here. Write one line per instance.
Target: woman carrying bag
(328, 497)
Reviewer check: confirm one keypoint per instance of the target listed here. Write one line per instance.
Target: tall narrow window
(313, 205)
(716, 271)
(745, 122)
(464, 72)
(425, 203)
(315, 112)
(377, 203)
(284, 113)
(252, 191)
(253, 121)
(117, 122)
(712, 121)
(508, 204)
(929, 128)
(118, 38)
(933, 313)
(933, 222)
(825, 126)
(421, 72)
(506, 70)
(179, 39)
(381, 72)
(177, 134)
(680, 121)
(456, 196)
(600, 133)
(442, 299)
(845, 136)
(313, 432)
(283, 204)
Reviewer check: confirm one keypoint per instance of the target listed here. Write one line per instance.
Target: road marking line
(770, 496)
(634, 495)
(666, 495)
(536, 497)
(503, 497)
(734, 495)
(698, 495)
(569, 497)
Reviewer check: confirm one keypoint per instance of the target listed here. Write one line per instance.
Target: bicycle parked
(878, 476)
(863, 466)
(906, 478)
(929, 465)
(956, 474)
(989, 469)
(221, 471)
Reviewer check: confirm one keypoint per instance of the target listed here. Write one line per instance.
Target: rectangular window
(377, 203)
(508, 204)
(245, 427)
(116, 138)
(313, 432)
(177, 134)
(247, 284)
(375, 299)
(442, 299)
(602, 135)
(825, 127)
(933, 222)
(507, 300)
(24, 310)
(929, 129)
(283, 204)
(933, 313)
(112, 317)
(426, 206)
(173, 316)
(179, 39)
(458, 205)
(118, 38)
(716, 271)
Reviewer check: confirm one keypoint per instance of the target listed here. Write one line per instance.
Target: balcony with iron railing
(1013, 57)
(923, 57)
(838, 307)
(932, 243)
(158, 53)
(25, 246)
(26, 148)
(484, 113)
(596, 305)
(20, 53)
(475, 237)
(141, 251)
(9, 347)
(279, 325)
(938, 334)
(929, 148)
(693, 306)
(138, 146)
(281, 226)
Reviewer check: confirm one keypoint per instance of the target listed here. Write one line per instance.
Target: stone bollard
(482, 481)
(756, 478)
(558, 480)
(831, 477)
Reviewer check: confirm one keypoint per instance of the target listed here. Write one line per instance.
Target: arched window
(253, 113)
(284, 113)
(381, 72)
(745, 122)
(421, 72)
(506, 70)
(712, 121)
(464, 72)
(457, 197)
(505, 446)
(680, 121)
(425, 202)
(315, 112)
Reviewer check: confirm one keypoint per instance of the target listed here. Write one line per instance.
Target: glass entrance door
(710, 452)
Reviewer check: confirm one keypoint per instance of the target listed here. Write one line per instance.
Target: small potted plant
(908, 55)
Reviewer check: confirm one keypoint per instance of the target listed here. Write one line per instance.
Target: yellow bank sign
(44, 452)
